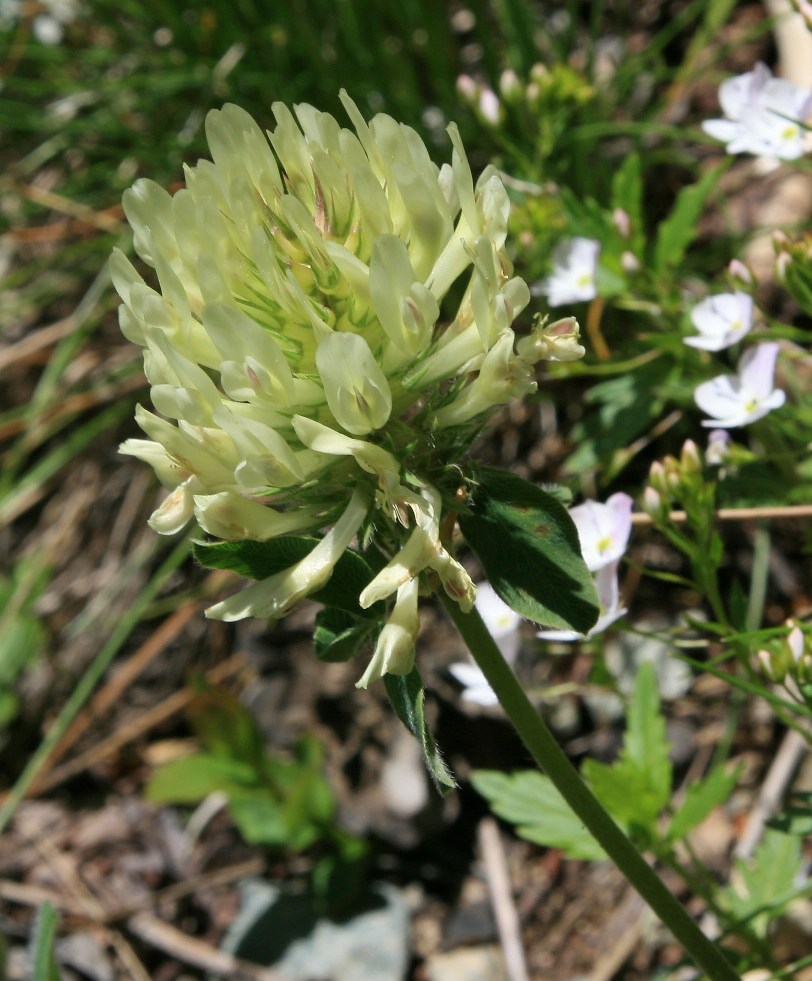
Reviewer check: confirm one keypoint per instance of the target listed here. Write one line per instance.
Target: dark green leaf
(529, 547)
(259, 560)
(407, 696)
(339, 635)
(679, 229)
(700, 799)
(541, 815)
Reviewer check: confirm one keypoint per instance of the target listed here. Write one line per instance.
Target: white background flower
(736, 400)
(573, 275)
(762, 115)
(503, 625)
(603, 529)
(721, 320)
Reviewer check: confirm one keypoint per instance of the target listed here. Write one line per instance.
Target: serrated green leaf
(637, 787)
(679, 229)
(760, 886)
(42, 945)
(700, 799)
(627, 793)
(339, 635)
(407, 696)
(259, 560)
(529, 548)
(644, 744)
(530, 801)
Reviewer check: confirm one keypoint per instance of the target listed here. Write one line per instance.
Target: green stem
(551, 758)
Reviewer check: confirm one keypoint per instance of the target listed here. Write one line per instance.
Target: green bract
(301, 371)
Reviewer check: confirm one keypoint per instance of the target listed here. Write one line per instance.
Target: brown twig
(786, 761)
(109, 220)
(736, 514)
(504, 909)
(196, 952)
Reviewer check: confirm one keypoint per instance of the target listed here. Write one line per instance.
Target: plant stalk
(544, 749)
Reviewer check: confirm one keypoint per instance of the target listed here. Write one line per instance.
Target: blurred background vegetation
(597, 108)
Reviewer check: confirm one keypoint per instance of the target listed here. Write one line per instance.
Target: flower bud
(739, 273)
(489, 108)
(657, 479)
(690, 458)
(718, 449)
(652, 503)
(629, 262)
(510, 88)
(622, 222)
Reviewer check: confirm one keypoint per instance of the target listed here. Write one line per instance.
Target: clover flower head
(603, 529)
(572, 278)
(721, 320)
(738, 400)
(611, 607)
(303, 375)
(763, 115)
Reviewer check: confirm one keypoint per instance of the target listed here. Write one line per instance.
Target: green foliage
(41, 946)
(701, 797)
(541, 815)
(635, 789)
(529, 548)
(407, 697)
(762, 886)
(276, 801)
(676, 233)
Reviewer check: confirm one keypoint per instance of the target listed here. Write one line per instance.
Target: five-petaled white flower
(572, 278)
(763, 115)
(721, 320)
(737, 400)
(503, 625)
(603, 529)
